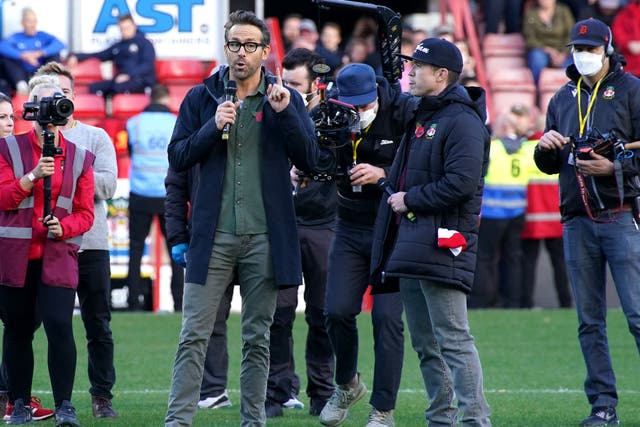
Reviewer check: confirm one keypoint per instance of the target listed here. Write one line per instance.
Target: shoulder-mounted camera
(54, 109)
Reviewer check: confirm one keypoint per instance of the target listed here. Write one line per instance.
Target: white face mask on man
(367, 117)
(587, 63)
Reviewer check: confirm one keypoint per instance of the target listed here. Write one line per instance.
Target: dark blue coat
(288, 135)
(444, 154)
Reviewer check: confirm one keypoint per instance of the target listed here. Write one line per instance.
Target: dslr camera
(606, 145)
(54, 109)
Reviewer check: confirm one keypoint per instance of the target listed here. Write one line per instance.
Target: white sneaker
(293, 403)
(215, 402)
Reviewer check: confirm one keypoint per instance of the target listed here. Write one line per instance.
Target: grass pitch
(533, 371)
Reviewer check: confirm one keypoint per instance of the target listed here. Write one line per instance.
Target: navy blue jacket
(443, 157)
(135, 57)
(617, 108)
(197, 141)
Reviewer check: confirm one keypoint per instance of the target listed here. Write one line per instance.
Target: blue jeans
(449, 362)
(251, 255)
(588, 247)
(349, 259)
(539, 59)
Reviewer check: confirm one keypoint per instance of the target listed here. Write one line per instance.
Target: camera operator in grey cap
(384, 113)
(438, 173)
(597, 194)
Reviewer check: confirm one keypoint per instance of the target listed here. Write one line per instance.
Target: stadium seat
(179, 90)
(503, 45)
(551, 79)
(493, 63)
(87, 71)
(89, 106)
(185, 71)
(124, 106)
(512, 86)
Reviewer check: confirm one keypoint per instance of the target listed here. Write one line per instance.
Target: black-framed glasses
(249, 47)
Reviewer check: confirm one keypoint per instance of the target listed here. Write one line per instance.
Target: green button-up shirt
(242, 208)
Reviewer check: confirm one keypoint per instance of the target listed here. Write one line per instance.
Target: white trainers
(380, 418)
(215, 402)
(293, 403)
(337, 408)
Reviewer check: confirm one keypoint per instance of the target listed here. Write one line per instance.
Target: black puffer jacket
(617, 108)
(444, 156)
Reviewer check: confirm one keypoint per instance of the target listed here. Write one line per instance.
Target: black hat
(439, 52)
(590, 32)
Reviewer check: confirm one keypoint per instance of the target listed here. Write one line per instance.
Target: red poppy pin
(419, 131)
(259, 116)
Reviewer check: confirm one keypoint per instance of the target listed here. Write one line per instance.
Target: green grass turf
(533, 371)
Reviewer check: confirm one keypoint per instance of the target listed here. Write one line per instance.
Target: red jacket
(626, 28)
(75, 219)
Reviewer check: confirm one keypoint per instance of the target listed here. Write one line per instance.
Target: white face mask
(587, 63)
(367, 117)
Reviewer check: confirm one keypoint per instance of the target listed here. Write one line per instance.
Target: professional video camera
(54, 110)
(337, 124)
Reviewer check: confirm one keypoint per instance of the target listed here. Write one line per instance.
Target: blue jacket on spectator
(15, 44)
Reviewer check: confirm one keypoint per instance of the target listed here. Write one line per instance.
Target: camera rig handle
(49, 149)
(389, 34)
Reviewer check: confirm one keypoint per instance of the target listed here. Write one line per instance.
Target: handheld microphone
(229, 94)
(386, 187)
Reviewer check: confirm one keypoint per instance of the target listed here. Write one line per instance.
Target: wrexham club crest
(609, 93)
(428, 133)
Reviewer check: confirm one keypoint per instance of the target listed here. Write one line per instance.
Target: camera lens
(64, 107)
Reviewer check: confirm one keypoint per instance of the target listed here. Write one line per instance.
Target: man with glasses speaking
(240, 127)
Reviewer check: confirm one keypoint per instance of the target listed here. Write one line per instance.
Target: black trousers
(94, 293)
(18, 308)
(110, 87)
(530, 253)
(498, 279)
(141, 213)
(283, 381)
(14, 70)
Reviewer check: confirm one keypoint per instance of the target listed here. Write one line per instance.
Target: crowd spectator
(542, 227)
(234, 227)
(309, 35)
(148, 137)
(134, 59)
(290, 30)
(329, 44)
(94, 272)
(498, 11)
(22, 53)
(40, 268)
(603, 10)
(498, 278)
(626, 33)
(546, 31)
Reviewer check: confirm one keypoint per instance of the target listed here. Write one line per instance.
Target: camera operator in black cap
(384, 113)
(600, 105)
(438, 175)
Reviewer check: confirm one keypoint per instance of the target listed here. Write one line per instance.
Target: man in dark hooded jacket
(426, 233)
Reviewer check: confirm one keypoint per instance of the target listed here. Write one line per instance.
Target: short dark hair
(126, 17)
(453, 76)
(246, 17)
(159, 91)
(301, 56)
(6, 98)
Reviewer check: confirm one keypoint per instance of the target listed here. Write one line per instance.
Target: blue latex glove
(179, 253)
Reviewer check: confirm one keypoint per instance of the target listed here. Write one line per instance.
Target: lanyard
(594, 95)
(356, 143)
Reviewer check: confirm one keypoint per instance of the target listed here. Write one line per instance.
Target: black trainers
(102, 408)
(273, 409)
(316, 406)
(20, 414)
(66, 415)
(601, 417)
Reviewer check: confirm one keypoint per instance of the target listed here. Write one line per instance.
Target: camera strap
(584, 194)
